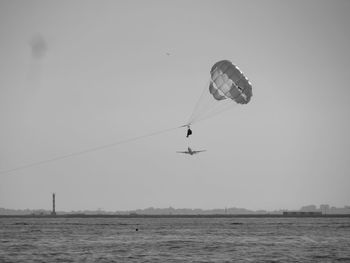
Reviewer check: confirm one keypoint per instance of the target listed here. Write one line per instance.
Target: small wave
(308, 239)
(343, 226)
(343, 259)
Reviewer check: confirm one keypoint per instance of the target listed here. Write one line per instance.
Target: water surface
(174, 240)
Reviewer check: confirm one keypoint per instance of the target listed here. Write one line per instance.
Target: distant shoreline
(179, 216)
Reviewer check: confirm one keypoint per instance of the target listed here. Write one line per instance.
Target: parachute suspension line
(205, 104)
(224, 106)
(94, 149)
(207, 107)
(195, 110)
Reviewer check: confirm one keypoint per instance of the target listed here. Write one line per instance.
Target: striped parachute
(227, 81)
(227, 87)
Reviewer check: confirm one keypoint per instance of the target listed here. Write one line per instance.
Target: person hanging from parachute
(189, 131)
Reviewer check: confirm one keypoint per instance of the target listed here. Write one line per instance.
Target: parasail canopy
(227, 81)
(228, 87)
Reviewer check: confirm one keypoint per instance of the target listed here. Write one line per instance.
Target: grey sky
(103, 75)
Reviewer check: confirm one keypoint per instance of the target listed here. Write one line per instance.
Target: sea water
(175, 240)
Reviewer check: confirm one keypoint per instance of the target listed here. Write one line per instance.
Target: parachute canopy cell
(227, 81)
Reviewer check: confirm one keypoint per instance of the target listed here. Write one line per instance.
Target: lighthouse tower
(53, 213)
